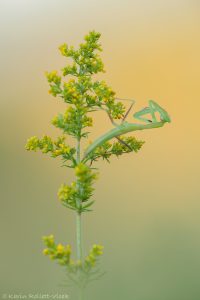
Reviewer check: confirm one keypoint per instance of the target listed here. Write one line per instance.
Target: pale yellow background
(147, 210)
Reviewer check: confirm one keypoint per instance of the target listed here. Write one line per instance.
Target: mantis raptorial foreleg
(121, 141)
(124, 118)
(152, 109)
(139, 115)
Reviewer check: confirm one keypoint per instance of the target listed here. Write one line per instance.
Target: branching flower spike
(75, 86)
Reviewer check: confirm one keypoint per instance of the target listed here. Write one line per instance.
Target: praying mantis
(125, 127)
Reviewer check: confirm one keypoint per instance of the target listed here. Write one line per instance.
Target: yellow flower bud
(60, 248)
(45, 251)
(63, 49)
(57, 152)
(54, 73)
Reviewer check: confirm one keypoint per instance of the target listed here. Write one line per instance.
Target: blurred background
(147, 205)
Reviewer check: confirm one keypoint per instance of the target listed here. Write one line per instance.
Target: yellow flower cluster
(85, 174)
(53, 77)
(58, 252)
(73, 196)
(69, 121)
(32, 143)
(61, 148)
(46, 144)
(90, 260)
(106, 97)
(67, 194)
(62, 254)
(88, 61)
(65, 50)
(55, 83)
(81, 170)
(71, 92)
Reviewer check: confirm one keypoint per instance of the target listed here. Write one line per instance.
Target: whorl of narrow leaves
(75, 195)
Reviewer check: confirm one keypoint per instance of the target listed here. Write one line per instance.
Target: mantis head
(151, 110)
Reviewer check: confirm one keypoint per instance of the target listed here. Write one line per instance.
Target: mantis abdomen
(119, 130)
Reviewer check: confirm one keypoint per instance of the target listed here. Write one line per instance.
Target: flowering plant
(83, 95)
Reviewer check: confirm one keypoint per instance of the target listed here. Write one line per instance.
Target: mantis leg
(128, 111)
(155, 107)
(139, 115)
(124, 118)
(111, 119)
(126, 114)
(123, 143)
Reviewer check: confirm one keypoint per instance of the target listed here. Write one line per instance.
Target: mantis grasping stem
(126, 127)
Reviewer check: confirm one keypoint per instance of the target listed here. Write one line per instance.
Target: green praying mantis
(125, 127)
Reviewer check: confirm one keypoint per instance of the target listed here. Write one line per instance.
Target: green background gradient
(147, 210)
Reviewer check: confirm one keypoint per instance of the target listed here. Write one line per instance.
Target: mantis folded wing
(126, 127)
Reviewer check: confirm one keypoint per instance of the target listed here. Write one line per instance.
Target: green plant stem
(78, 219)
(78, 149)
(79, 236)
(78, 216)
(81, 297)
